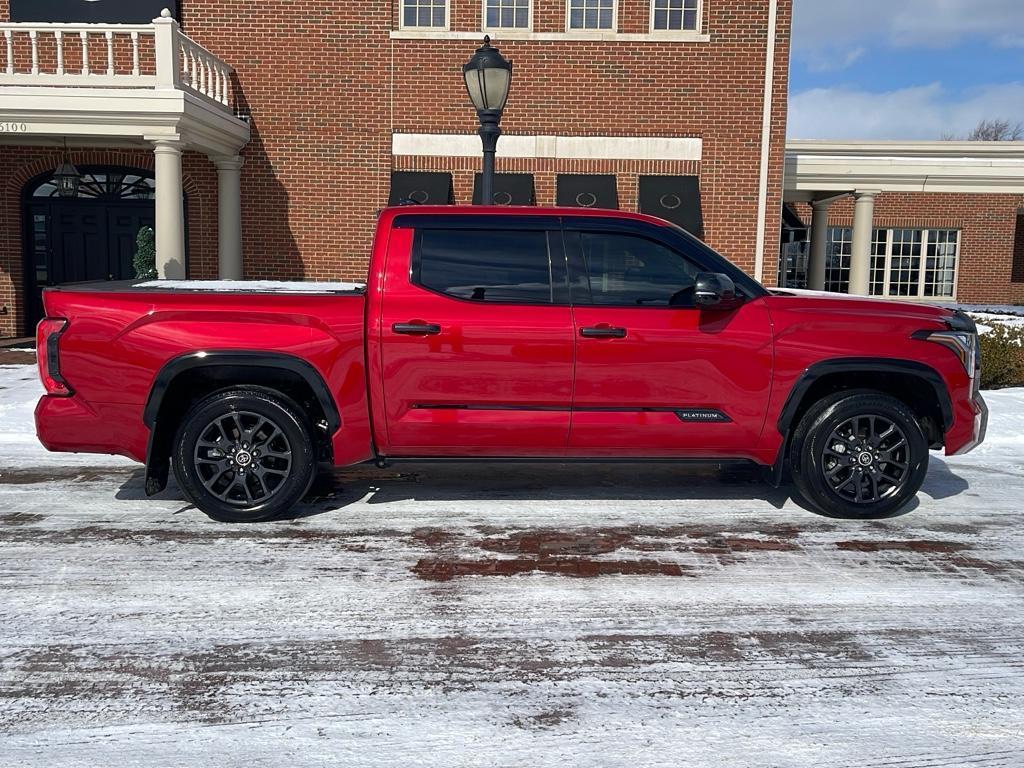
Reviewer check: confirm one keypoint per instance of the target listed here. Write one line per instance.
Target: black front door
(91, 236)
(75, 240)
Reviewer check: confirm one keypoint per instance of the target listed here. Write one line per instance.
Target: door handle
(417, 329)
(603, 332)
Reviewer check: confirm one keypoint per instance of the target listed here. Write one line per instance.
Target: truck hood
(841, 302)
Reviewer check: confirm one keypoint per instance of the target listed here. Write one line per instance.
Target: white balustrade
(58, 55)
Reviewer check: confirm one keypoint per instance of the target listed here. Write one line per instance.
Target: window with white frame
(432, 14)
(837, 259)
(675, 15)
(507, 14)
(941, 251)
(910, 263)
(879, 245)
(591, 14)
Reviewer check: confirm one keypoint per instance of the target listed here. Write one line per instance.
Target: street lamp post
(488, 77)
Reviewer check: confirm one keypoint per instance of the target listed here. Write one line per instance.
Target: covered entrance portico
(914, 260)
(137, 87)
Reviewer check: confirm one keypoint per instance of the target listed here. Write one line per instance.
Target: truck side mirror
(715, 290)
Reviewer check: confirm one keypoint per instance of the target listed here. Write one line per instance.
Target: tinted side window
(478, 265)
(631, 271)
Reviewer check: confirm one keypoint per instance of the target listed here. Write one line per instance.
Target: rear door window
(512, 266)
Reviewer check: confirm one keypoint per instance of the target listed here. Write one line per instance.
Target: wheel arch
(918, 385)
(185, 379)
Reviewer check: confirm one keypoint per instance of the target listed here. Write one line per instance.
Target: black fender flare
(928, 375)
(157, 454)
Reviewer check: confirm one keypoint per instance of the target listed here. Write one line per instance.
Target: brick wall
(987, 225)
(326, 86)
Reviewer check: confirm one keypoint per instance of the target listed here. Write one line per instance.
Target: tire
(244, 455)
(859, 454)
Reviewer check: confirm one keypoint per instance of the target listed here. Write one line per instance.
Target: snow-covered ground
(658, 616)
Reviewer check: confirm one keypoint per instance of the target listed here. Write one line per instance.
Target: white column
(819, 245)
(860, 250)
(170, 210)
(229, 216)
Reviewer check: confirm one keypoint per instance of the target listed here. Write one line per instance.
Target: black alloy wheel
(243, 458)
(244, 455)
(859, 454)
(866, 459)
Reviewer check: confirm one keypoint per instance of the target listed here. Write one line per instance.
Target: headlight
(963, 344)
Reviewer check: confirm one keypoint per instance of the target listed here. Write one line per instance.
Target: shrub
(145, 254)
(1002, 357)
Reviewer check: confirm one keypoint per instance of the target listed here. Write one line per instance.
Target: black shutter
(509, 189)
(675, 199)
(580, 190)
(421, 187)
(102, 11)
(1017, 273)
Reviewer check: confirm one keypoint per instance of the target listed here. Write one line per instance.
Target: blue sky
(904, 69)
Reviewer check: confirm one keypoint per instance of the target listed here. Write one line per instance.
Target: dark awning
(793, 224)
(791, 219)
(109, 11)
(421, 187)
(509, 189)
(675, 199)
(581, 190)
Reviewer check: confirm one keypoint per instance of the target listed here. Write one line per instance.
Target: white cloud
(932, 23)
(831, 34)
(835, 60)
(923, 112)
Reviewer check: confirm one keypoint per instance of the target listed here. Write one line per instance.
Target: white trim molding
(560, 147)
(766, 137)
(928, 166)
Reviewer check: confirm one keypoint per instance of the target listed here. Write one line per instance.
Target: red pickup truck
(494, 333)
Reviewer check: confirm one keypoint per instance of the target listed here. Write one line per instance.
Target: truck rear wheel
(244, 455)
(859, 455)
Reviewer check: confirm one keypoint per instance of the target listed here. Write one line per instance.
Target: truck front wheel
(859, 454)
(244, 455)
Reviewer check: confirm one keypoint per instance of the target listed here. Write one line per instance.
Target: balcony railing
(156, 55)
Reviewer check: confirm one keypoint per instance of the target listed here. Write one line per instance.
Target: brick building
(659, 99)
(260, 140)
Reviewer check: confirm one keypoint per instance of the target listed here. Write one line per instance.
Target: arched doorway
(88, 237)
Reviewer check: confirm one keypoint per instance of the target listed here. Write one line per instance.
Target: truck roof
(518, 210)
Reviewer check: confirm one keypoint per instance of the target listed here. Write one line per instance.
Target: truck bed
(121, 334)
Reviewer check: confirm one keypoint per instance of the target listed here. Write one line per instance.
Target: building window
(837, 259)
(105, 184)
(905, 263)
(940, 263)
(675, 15)
(879, 243)
(506, 14)
(591, 14)
(432, 14)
